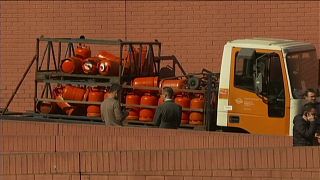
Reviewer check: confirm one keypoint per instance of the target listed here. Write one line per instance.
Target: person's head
(114, 90)
(310, 111)
(310, 95)
(167, 92)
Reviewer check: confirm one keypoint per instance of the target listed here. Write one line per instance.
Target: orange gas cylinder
(147, 114)
(71, 65)
(184, 102)
(134, 111)
(176, 83)
(108, 67)
(143, 66)
(83, 51)
(196, 118)
(146, 81)
(46, 107)
(95, 95)
(64, 106)
(74, 93)
(91, 65)
(107, 55)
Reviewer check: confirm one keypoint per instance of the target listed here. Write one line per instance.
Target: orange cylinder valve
(71, 65)
(134, 111)
(146, 114)
(91, 65)
(95, 95)
(196, 118)
(184, 102)
(83, 51)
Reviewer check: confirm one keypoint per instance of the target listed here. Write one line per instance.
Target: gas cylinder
(71, 65)
(46, 107)
(95, 95)
(91, 65)
(146, 114)
(107, 55)
(184, 102)
(146, 81)
(109, 64)
(196, 118)
(83, 51)
(74, 93)
(173, 83)
(64, 106)
(132, 98)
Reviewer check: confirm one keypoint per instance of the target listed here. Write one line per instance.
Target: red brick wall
(193, 31)
(24, 155)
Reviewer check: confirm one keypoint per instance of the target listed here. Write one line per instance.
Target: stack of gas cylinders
(74, 93)
(151, 99)
(104, 63)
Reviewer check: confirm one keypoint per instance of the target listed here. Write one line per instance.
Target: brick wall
(193, 31)
(44, 156)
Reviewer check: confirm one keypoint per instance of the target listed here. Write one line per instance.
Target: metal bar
(44, 54)
(59, 55)
(19, 84)
(48, 64)
(52, 74)
(154, 107)
(35, 81)
(159, 54)
(53, 56)
(70, 49)
(157, 88)
(140, 68)
(80, 83)
(96, 41)
(69, 101)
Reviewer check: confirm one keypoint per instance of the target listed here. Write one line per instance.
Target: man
(304, 127)
(110, 108)
(168, 115)
(310, 96)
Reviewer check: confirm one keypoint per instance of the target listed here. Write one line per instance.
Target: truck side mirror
(246, 53)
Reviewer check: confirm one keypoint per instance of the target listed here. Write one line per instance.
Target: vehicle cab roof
(272, 44)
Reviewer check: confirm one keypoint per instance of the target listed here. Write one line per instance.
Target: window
(244, 74)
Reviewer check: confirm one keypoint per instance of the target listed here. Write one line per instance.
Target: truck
(262, 82)
(258, 90)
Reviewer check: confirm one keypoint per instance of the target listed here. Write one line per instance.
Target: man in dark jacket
(168, 115)
(304, 127)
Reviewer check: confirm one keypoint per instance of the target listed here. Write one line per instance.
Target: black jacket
(303, 131)
(168, 115)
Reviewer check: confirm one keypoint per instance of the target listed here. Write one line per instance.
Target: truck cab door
(258, 93)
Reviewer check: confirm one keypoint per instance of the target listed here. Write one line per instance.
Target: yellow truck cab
(262, 82)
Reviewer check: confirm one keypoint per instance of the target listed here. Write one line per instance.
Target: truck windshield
(303, 70)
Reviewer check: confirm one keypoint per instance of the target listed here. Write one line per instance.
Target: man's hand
(311, 117)
(317, 135)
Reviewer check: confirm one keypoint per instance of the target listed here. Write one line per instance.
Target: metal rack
(47, 72)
